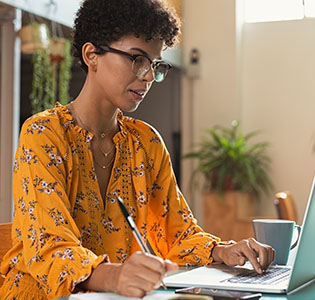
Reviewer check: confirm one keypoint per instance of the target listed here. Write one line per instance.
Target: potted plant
(61, 61)
(34, 36)
(42, 94)
(52, 62)
(51, 75)
(236, 174)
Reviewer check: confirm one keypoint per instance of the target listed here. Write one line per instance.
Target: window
(278, 10)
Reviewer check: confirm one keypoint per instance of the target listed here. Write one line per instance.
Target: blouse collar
(68, 120)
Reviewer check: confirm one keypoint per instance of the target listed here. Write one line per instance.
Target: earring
(94, 67)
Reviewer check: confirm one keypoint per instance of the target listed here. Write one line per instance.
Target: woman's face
(114, 78)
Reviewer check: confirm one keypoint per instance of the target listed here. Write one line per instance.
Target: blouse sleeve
(174, 230)
(52, 251)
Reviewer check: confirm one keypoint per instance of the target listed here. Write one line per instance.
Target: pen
(135, 230)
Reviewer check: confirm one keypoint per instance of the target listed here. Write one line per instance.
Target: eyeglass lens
(142, 65)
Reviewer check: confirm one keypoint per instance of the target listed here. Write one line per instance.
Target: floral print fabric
(62, 228)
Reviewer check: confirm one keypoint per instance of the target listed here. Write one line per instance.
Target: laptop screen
(304, 263)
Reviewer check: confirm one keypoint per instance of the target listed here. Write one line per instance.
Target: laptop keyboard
(271, 276)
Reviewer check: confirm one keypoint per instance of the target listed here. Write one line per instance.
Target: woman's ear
(89, 56)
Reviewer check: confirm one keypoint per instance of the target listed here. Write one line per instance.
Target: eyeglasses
(141, 64)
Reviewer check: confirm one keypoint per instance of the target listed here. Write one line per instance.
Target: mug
(277, 234)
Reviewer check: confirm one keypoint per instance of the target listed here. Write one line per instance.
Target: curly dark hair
(102, 22)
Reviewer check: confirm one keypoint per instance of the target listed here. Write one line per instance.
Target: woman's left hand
(239, 253)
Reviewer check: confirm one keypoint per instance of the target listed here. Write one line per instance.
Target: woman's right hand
(139, 274)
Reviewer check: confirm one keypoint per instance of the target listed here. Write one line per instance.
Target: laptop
(277, 279)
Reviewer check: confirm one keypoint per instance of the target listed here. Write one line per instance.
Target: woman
(74, 161)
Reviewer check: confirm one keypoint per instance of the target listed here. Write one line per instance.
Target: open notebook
(277, 279)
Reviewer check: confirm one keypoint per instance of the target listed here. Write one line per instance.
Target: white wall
(209, 26)
(278, 96)
(267, 80)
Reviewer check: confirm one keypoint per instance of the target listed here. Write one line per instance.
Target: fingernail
(157, 285)
(167, 260)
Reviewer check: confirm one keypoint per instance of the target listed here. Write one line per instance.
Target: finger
(152, 262)
(242, 260)
(231, 255)
(251, 255)
(264, 252)
(144, 269)
(273, 254)
(143, 280)
(141, 275)
(151, 276)
(131, 291)
(170, 267)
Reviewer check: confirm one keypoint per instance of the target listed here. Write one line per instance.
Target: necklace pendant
(104, 167)
(102, 135)
(106, 154)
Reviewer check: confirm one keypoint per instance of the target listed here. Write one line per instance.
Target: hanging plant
(51, 75)
(35, 40)
(52, 62)
(56, 56)
(42, 94)
(62, 56)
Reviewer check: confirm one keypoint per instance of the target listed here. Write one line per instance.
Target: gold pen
(135, 231)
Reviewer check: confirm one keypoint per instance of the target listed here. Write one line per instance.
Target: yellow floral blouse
(61, 229)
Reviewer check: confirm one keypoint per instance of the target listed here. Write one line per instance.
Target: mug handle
(298, 227)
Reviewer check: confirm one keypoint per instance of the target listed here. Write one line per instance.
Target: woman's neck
(94, 115)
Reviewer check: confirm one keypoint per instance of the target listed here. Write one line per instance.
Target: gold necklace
(101, 134)
(102, 150)
(98, 144)
(106, 165)
(105, 153)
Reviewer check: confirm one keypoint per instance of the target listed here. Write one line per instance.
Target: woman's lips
(137, 95)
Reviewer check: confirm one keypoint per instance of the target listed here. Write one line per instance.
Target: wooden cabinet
(229, 218)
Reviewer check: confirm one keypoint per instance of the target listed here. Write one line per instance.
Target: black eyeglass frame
(133, 57)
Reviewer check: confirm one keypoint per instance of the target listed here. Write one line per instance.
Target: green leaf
(227, 152)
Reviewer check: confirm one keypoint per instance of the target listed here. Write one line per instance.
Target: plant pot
(34, 37)
(229, 218)
(57, 49)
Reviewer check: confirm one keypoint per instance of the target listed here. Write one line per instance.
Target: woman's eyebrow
(144, 53)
